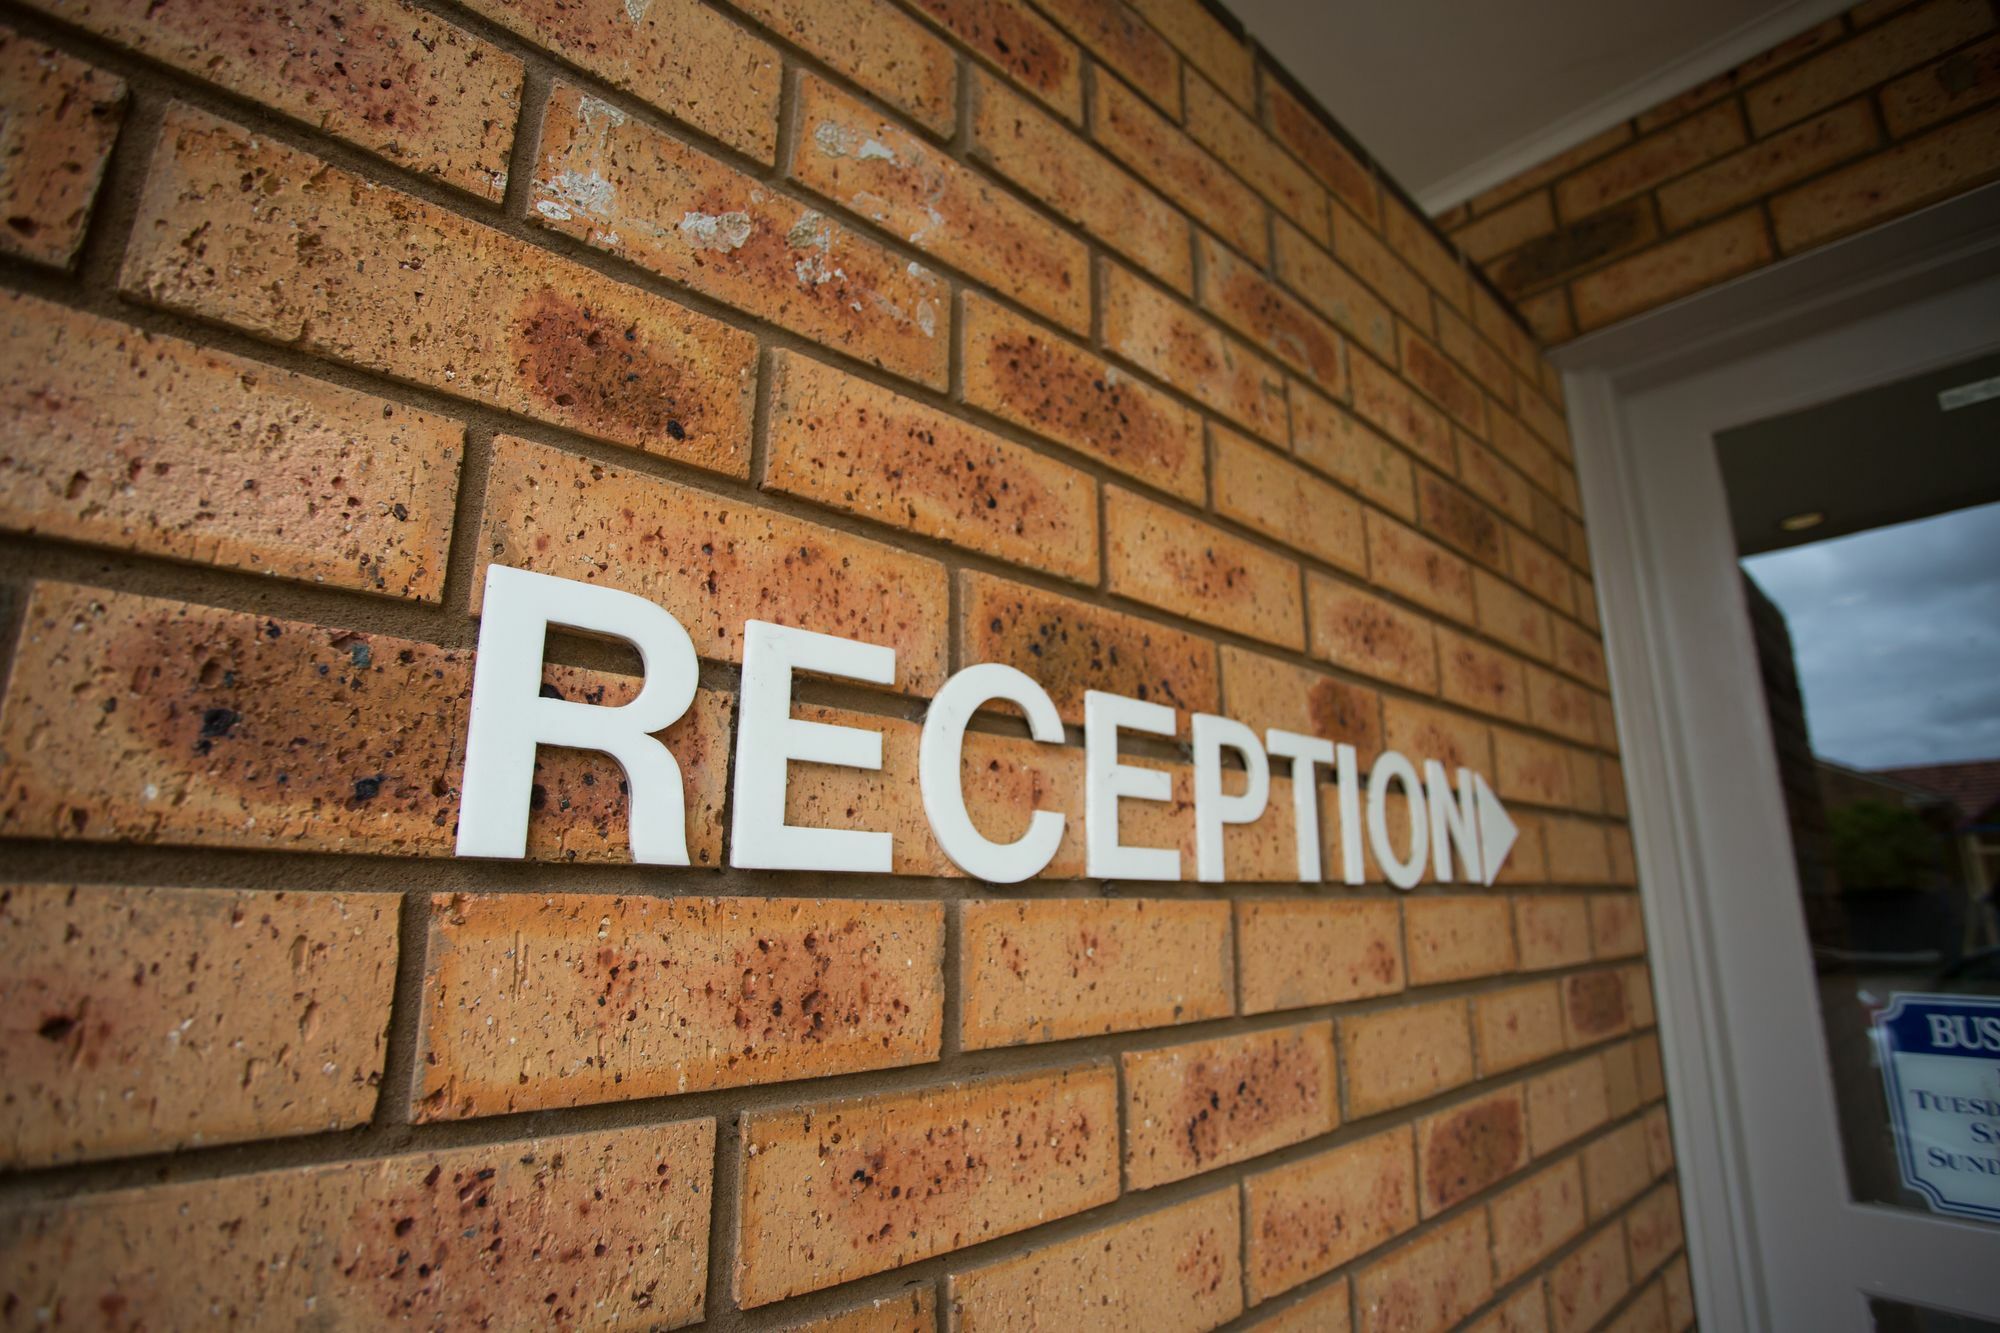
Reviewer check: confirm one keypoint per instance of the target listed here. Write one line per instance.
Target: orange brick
(1579, 652)
(1321, 1311)
(678, 55)
(1565, 1104)
(1639, 994)
(1019, 370)
(1913, 39)
(1165, 158)
(1452, 939)
(1178, 1270)
(1217, 125)
(1392, 407)
(1469, 1148)
(62, 116)
(144, 442)
(1266, 491)
(1526, 1311)
(1413, 238)
(1769, 165)
(1788, 52)
(1517, 1026)
(1163, 558)
(1399, 1056)
(608, 178)
(1657, 157)
(1240, 296)
(1942, 163)
(1520, 446)
(1659, 1136)
(538, 1000)
(1502, 230)
(1360, 632)
(837, 1190)
(913, 1311)
(1689, 263)
(876, 45)
(448, 303)
(1560, 165)
(1679, 1295)
(1309, 270)
(1430, 1283)
(1328, 437)
(1297, 125)
(1125, 43)
(1615, 1169)
(1313, 1215)
(1422, 732)
(1357, 247)
(1589, 1282)
(559, 513)
(1482, 678)
(850, 444)
(1192, 1108)
(1578, 852)
(1554, 929)
(1586, 780)
(1526, 864)
(1044, 157)
(1621, 1080)
(1447, 385)
(1018, 42)
(1301, 951)
(1622, 229)
(1070, 647)
(1554, 704)
(244, 731)
(1957, 83)
(1166, 339)
(1653, 1229)
(1536, 1218)
(1528, 768)
(448, 1238)
(109, 1055)
(1264, 693)
(1467, 346)
(1616, 928)
(1051, 969)
(1541, 571)
(1418, 568)
(1646, 1314)
(893, 178)
(1459, 520)
(1209, 46)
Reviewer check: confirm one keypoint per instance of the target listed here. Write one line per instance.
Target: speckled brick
(852, 445)
(1021, 371)
(1460, 520)
(1445, 384)
(1558, 705)
(1070, 647)
(1306, 267)
(1126, 44)
(1047, 159)
(1276, 496)
(1529, 768)
(1402, 561)
(1190, 353)
(534, 1000)
(122, 1014)
(630, 190)
(1018, 42)
(1365, 254)
(1652, 1076)
(1328, 437)
(380, 74)
(213, 728)
(62, 116)
(1517, 1026)
(1512, 617)
(1422, 732)
(608, 1228)
(1615, 1169)
(1209, 46)
(1321, 1311)
(1311, 1216)
(1577, 849)
(1639, 993)
(308, 255)
(1051, 969)
(1164, 558)
(1497, 481)
(1430, 1283)
(1361, 632)
(1588, 1283)
(1468, 347)
(1178, 1270)
(1214, 122)
(1578, 651)
(878, 46)
(1621, 1080)
(914, 1311)
(1526, 1311)
(1242, 297)
(1921, 98)
(841, 1189)
(1554, 929)
(920, 193)
(1481, 677)
(1566, 1103)
(1471, 1147)
(1537, 1217)
(1513, 441)
(1165, 158)
(1302, 951)
(1617, 930)
(1919, 171)
(1542, 572)
(1679, 1291)
(1647, 1313)
(1526, 864)
(1389, 404)
(1398, 1056)
(712, 562)
(1689, 263)
(1264, 693)
(142, 442)
(1298, 126)
(1457, 938)
(678, 55)
(1192, 1108)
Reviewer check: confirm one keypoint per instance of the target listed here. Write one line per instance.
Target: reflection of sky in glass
(1897, 632)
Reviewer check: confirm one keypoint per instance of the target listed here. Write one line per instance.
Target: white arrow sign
(1496, 831)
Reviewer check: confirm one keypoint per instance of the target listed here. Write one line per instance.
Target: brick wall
(1067, 336)
(1862, 119)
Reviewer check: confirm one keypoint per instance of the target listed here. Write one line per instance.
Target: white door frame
(1773, 1241)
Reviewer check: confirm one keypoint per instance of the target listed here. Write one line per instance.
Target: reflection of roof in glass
(1973, 788)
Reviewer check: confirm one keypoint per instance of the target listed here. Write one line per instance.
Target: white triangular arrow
(1496, 831)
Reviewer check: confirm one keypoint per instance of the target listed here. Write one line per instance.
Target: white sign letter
(1404, 874)
(939, 775)
(1212, 808)
(509, 717)
(1304, 752)
(1453, 823)
(1348, 771)
(1105, 780)
(768, 738)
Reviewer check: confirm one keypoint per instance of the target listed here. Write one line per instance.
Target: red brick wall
(1868, 116)
(1067, 336)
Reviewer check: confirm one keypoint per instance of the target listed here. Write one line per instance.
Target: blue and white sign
(1941, 1064)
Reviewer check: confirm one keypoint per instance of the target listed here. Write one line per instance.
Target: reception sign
(1941, 1065)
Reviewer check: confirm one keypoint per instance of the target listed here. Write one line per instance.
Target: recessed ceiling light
(1811, 518)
